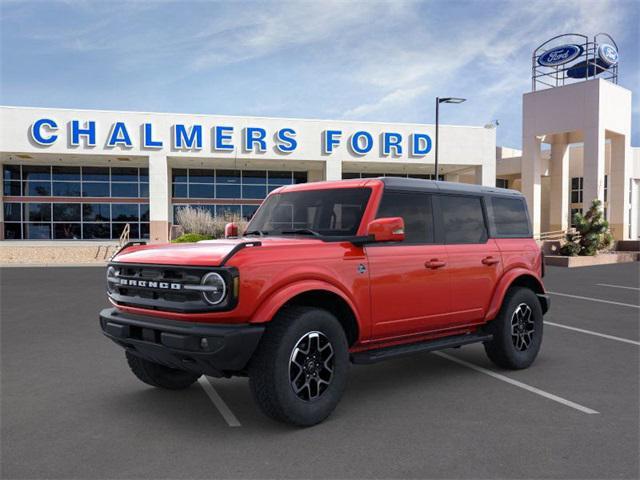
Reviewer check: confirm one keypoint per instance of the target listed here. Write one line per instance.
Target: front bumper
(227, 348)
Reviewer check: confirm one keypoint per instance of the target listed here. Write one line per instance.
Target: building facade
(85, 174)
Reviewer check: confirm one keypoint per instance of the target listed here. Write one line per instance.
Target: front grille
(161, 287)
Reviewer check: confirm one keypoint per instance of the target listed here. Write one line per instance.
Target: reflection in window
(463, 219)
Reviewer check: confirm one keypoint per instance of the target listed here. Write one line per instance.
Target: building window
(573, 212)
(502, 183)
(576, 189)
(427, 176)
(64, 213)
(208, 185)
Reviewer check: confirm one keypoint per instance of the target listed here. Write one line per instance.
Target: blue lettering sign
(37, 134)
(186, 139)
(147, 138)
(420, 144)
(89, 131)
(330, 140)
(222, 136)
(255, 136)
(286, 140)
(119, 136)
(391, 140)
(359, 147)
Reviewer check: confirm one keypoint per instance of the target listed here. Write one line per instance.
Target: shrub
(191, 238)
(591, 235)
(201, 222)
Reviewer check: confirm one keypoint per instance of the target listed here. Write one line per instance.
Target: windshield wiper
(302, 231)
(261, 233)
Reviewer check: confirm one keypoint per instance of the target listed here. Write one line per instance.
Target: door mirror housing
(230, 230)
(389, 229)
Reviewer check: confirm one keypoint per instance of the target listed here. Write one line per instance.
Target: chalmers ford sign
(45, 132)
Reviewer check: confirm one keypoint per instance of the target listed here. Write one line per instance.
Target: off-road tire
(501, 349)
(269, 368)
(158, 375)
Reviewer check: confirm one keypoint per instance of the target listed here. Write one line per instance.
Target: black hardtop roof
(416, 184)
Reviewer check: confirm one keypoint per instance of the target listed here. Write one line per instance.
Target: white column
(593, 166)
(531, 172)
(618, 188)
(486, 174)
(159, 197)
(559, 204)
(333, 169)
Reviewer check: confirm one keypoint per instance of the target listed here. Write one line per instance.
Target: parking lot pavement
(71, 408)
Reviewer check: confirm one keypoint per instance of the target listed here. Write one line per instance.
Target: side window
(463, 219)
(415, 209)
(510, 217)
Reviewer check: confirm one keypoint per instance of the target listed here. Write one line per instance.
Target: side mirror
(386, 229)
(230, 230)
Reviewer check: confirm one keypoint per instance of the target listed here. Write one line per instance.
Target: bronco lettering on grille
(149, 284)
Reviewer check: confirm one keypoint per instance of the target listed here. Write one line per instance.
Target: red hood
(206, 253)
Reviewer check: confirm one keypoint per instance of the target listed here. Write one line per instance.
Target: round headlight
(111, 275)
(215, 288)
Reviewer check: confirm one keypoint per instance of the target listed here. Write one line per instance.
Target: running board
(375, 356)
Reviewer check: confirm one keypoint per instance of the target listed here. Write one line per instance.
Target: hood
(209, 253)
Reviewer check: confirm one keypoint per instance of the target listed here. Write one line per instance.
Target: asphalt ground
(71, 408)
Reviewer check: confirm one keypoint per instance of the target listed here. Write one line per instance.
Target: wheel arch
(313, 294)
(513, 278)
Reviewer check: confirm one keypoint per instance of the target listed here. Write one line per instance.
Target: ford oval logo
(608, 54)
(560, 55)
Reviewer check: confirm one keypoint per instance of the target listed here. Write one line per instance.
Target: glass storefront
(209, 188)
(114, 197)
(351, 175)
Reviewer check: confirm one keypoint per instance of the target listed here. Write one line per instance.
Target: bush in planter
(191, 238)
(200, 221)
(591, 235)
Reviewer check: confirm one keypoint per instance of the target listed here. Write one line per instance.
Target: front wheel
(517, 330)
(299, 371)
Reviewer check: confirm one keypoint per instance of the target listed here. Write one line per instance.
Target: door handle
(490, 260)
(434, 263)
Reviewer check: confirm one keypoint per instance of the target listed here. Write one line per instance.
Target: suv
(327, 274)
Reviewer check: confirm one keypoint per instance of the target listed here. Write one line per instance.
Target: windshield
(327, 212)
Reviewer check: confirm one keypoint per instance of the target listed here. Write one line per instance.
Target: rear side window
(463, 219)
(415, 209)
(510, 217)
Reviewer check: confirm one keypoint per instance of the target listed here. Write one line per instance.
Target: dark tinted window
(510, 217)
(463, 219)
(415, 210)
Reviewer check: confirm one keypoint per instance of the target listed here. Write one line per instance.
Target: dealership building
(86, 174)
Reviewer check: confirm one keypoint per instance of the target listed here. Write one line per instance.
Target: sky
(351, 60)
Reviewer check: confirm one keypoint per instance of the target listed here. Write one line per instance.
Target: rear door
(409, 280)
(475, 264)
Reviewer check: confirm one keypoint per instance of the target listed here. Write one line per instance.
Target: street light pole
(438, 102)
(435, 177)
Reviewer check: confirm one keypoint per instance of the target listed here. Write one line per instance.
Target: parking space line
(616, 286)
(217, 400)
(595, 299)
(603, 335)
(518, 384)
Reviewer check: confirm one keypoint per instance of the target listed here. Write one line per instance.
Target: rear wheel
(517, 330)
(299, 371)
(158, 375)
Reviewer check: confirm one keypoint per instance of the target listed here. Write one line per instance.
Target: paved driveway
(71, 408)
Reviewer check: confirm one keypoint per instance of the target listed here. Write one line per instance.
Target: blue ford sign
(608, 54)
(560, 55)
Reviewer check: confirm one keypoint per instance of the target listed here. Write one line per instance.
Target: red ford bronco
(330, 273)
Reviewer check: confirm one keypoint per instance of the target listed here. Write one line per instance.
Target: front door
(475, 263)
(410, 289)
